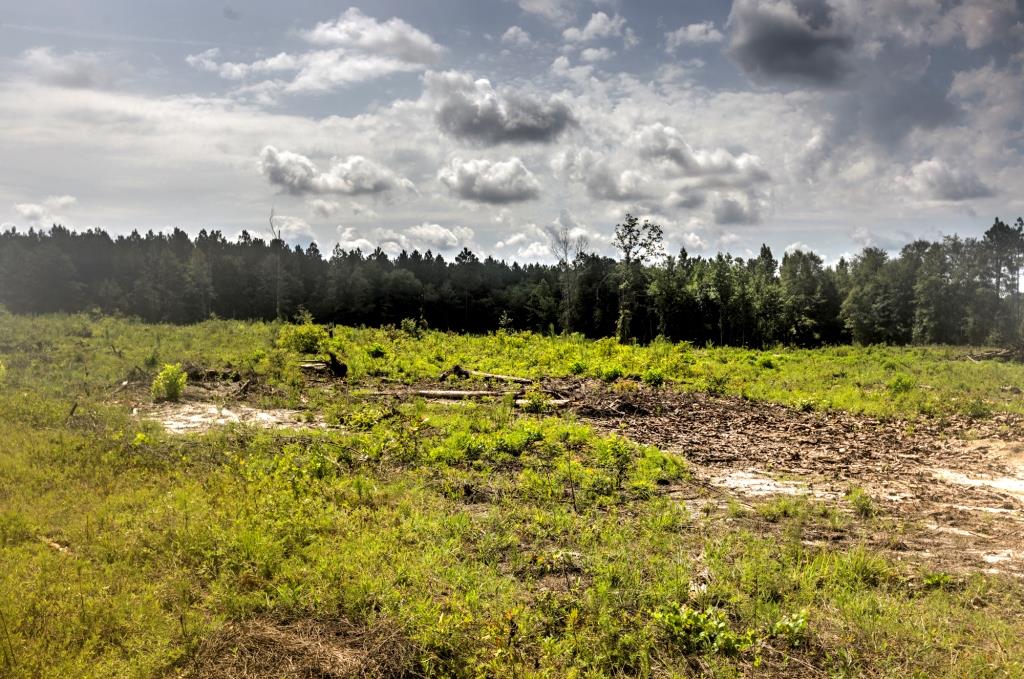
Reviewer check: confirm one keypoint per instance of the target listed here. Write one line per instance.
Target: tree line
(952, 291)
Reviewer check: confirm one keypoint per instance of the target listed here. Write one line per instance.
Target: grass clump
(862, 503)
(169, 383)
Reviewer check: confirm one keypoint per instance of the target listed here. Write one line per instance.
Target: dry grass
(263, 648)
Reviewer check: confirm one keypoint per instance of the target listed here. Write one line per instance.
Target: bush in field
(306, 338)
(169, 383)
(3, 372)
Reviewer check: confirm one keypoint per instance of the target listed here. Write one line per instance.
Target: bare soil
(953, 489)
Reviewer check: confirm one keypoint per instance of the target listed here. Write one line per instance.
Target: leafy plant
(169, 383)
(793, 628)
(303, 339)
(701, 631)
(653, 377)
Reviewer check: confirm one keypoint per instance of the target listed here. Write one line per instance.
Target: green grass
(904, 382)
(496, 543)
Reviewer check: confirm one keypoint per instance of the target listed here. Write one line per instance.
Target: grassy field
(466, 539)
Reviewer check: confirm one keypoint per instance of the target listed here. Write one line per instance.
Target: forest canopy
(953, 291)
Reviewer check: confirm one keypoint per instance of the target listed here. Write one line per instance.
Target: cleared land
(664, 510)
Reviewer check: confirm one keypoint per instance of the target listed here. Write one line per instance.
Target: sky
(824, 125)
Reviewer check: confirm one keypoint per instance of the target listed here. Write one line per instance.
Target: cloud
(393, 38)
(424, 236)
(485, 181)
(32, 212)
(736, 209)
(562, 67)
(516, 36)
(558, 11)
(703, 33)
(599, 27)
(354, 175)
(474, 111)
(231, 14)
(46, 211)
(349, 239)
(78, 69)
(936, 180)
(866, 238)
(790, 40)
(316, 71)
(360, 210)
(719, 167)
(323, 208)
(357, 48)
(437, 237)
(293, 228)
(595, 171)
(593, 54)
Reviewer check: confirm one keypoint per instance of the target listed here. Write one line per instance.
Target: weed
(862, 503)
(303, 339)
(793, 629)
(701, 631)
(169, 383)
(937, 580)
(653, 377)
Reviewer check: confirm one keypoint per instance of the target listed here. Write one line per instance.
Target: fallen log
(501, 378)
(461, 373)
(457, 394)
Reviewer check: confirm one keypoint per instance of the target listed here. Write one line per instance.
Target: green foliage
(701, 631)
(861, 502)
(3, 373)
(169, 383)
(306, 338)
(653, 377)
(793, 629)
(901, 384)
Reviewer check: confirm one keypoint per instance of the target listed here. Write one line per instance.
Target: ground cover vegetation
(405, 537)
(953, 291)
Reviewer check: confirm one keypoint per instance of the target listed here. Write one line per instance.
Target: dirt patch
(958, 503)
(753, 483)
(306, 649)
(191, 417)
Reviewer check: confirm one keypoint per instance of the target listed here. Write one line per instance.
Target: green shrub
(611, 373)
(704, 631)
(653, 377)
(304, 339)
(376, 351)
(901, 384)
(716, 384)
(169, 383)
(577, 367)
